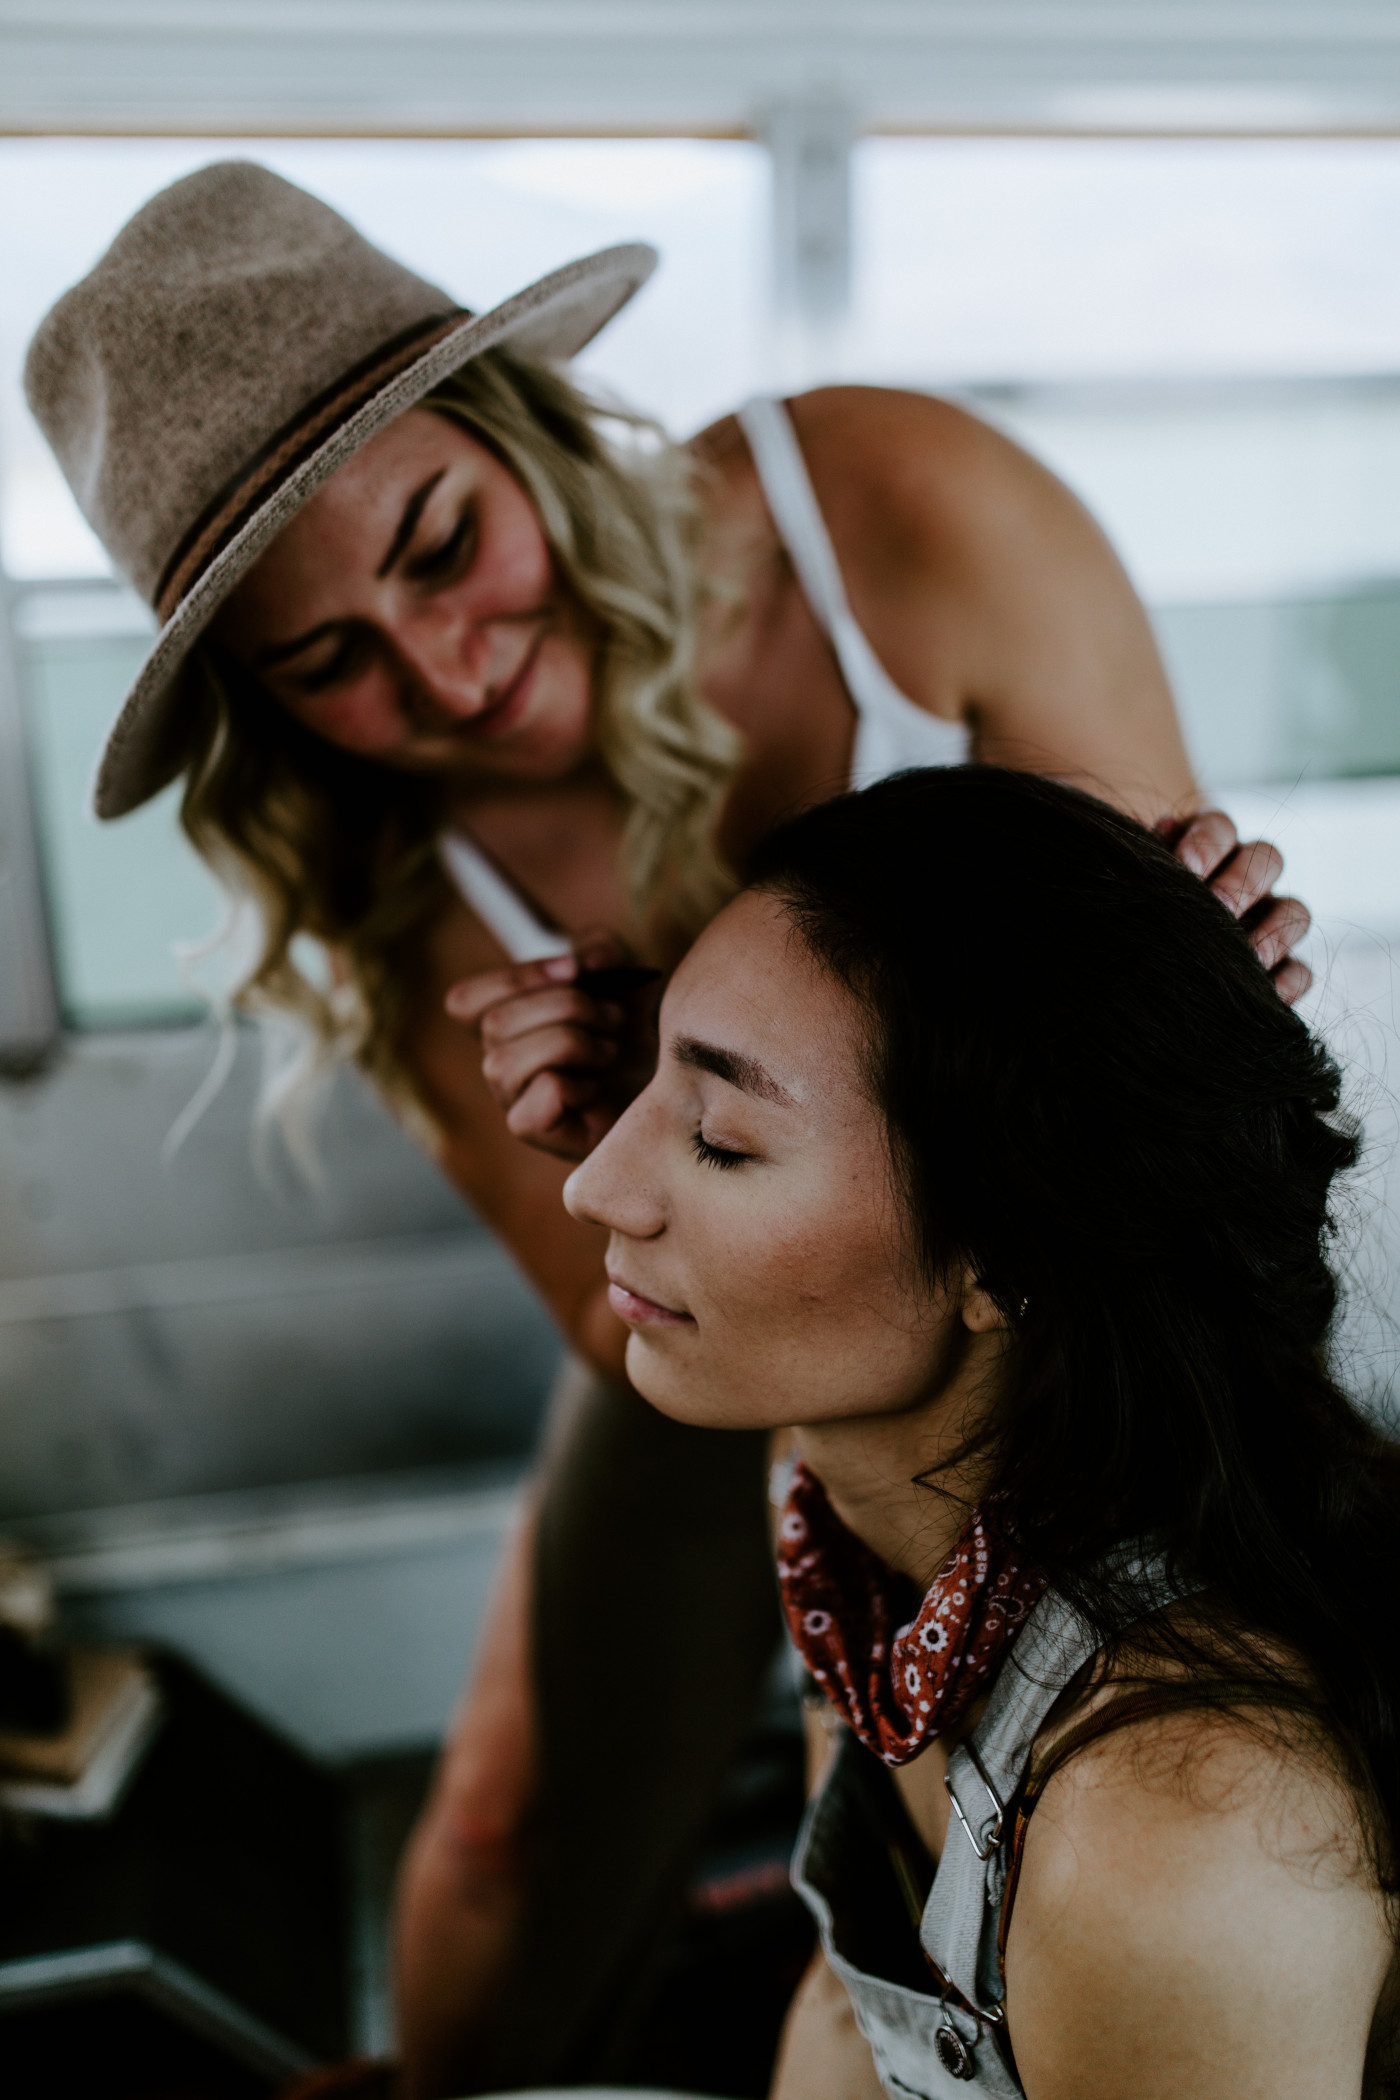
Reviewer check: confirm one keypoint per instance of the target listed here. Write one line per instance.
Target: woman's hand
(1243, 877)
(561, 1056)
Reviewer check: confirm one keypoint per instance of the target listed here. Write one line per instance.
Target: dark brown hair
(1096, 1101)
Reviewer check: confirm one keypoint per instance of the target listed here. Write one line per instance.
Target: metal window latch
(985, 1839)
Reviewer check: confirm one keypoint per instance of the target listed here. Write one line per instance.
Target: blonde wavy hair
(322, 843)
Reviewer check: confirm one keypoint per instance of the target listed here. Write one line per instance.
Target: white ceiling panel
(513, 66)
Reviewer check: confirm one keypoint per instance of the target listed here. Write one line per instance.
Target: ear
(980, 1312)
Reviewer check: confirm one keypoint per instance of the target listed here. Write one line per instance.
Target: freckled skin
(798, 1308)
(433, 647)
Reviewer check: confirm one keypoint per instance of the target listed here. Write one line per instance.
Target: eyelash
(440, 561)
(716, 1155)
(334, 672)
(437, 563)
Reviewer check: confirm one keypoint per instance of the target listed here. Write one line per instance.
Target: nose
(617, 1184)
(450, 663)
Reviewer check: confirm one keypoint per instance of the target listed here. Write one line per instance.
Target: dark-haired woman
(1086, 1548)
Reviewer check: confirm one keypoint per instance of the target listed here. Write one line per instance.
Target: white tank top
(891, 731)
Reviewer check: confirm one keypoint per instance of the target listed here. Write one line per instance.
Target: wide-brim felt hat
(235, 345)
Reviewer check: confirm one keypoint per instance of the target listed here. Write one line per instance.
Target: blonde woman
(488, 690)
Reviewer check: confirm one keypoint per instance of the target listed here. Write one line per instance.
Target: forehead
(417, 442)
(751, 987)
(345, 528)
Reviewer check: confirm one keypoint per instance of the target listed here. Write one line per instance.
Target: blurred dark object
(618, 981)
(34, 1693)
(363, 2078)
(123, 2022)
(83, 1768)
(192, 1944)
(706, 2013)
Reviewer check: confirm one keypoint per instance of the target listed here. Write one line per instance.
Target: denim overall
(927, 2047)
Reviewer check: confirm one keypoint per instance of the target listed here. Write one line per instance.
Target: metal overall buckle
(992, 1826)
(954, 2051)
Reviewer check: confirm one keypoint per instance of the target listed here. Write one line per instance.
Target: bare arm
(823, 2055)
(994, 598)
(1198, 1930)
(461, 1887)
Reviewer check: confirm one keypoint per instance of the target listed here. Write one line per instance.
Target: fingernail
(560, 968)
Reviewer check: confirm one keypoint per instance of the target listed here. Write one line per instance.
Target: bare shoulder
(925, 470)
(1195, 1913)
(916, 488)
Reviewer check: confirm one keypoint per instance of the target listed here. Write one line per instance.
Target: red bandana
(898, 1686)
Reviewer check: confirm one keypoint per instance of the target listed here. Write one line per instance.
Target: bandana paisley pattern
(898, 1686)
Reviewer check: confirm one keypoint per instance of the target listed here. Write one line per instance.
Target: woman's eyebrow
(279, 652)
(408, 523)
(732, 1066)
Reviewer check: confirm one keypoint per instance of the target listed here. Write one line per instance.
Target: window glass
(1200, 337)
(121, 898)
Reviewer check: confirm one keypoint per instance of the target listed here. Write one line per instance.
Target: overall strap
(959, 1927)
(983, 1776)
(497, 902)
(893, 732)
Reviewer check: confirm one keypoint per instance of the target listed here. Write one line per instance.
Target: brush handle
(618, 982)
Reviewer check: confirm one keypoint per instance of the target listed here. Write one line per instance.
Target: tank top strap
(499, 905)
(892, 731)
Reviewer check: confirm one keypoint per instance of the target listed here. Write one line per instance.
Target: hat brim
(553, 318)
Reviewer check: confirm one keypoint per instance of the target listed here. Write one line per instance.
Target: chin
(664, 1386)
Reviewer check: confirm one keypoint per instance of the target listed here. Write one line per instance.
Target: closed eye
(452, 557)
(346, 661)
(716, 1155)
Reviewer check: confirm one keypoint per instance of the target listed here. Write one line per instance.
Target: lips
(637, 1310)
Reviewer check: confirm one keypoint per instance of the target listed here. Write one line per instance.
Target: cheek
(514, 571)
(802, 1314)
(366, 721)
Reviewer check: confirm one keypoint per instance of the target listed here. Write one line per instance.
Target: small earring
(1024, 1307)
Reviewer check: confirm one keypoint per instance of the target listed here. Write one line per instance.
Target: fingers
(1247, 876)
(1276, 928)
(1291, 980)
(510, 1067)
(1243, 877)
(560, 1113)
(472, 997)
(558, 1006)
(1207, 841)
(1240, 875)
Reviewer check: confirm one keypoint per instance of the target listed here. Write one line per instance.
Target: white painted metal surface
(28, 1001)
(505, 66)
(344, 1613)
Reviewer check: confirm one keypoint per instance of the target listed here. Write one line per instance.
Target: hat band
(259, 478)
